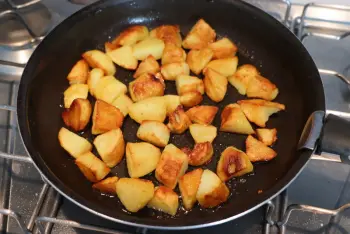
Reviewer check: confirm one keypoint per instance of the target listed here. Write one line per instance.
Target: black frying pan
(261, 40)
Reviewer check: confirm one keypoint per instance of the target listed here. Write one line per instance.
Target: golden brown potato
(73, 92)
(172, 165)
(123, 102)
(94, 77)
(109, 46)
(92, 167)
(198, 59)
(74, 144)
(173, 54)
(178, 121)
(233, 163)
(98, 59)
(168, 34)
(165, 200)
(134, 193)
(172, 102)
(226, 67)
(154, 132)
(172, 70)
(258, 151)
(211, 191)
(203, 133)
(110, 146)
(202, 114)
(109, 88)
(215, 85)
(141, 158)
(234, 120)
(190, 99)
(200, 155)
(258, 111)
(149, 65)
(149, 46)
(242, 77)
(79, 73)
(78, 114)
(267, 136)
(107, 185)
(146, 86)
(131, 35)
(185, 84)
(223, 48)
(105, 117)
(188, 184)
(123, 56)
(153, 108)
(200, 36)
(260, 87)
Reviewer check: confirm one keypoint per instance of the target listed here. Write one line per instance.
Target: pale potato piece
(190, 99)
(203, 133)
(154, 132)
(79, 73)
(73, 92)
(267, 136)
(185, 84)
(215, 85)
(149, 46)
(92, 167)
(211, 191)
(260, 87)
(78, 114)
(134, 193)
(146, 86)
(109, 88)
(258, 151)
(198, 59)
(98, 59)
(233, 120)
(123, 102)
(131, 35)
(168, 33)
(172, 102)
(105, 117)
(226, 67)
(188, 184)
(141, 158)
(202, 114)
(123, 56)
(172, 70)
(242, 77)
(172, 165)
(233, 163)
(94, 76)
(178, 121)
(165, 200)
(200, 155)
(149, 65)
(200, 36)
(74, 144)
(173, 54)
(109, 46)
(223, 48)
(153, 108)
(107, 185)
(110, 146)
(258, 111)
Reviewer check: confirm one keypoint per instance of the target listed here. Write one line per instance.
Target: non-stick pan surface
(261, 40)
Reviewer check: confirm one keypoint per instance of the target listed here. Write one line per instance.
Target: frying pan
(262, 41)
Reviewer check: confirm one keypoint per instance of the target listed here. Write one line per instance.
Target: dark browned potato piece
(77, 116)
(178, 121)
(106, 117)
(200, 155)
(202, 114)
(146, 86)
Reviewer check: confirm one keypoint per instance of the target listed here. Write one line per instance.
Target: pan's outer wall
(261, 40)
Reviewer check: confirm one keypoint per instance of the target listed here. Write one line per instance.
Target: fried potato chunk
(141, 158)
(131, 35)
(172, 102)
(92, 167)
(198, 59)
(110, 146)
(172, 70)
(123, 102)
(202, 114)
(107, 185)
(200, 36)
(233, 120)
(267, 136)
(215, 85)
(153, 108)
(154, 132)
(146, 86)
(168, 34)
(258, 151)
(94, 77)
(178, 121)
(78, 114)
(98, 59)
(165, 200)
(188, 184)
(223, 48)
(242, 77)
(105, 117)
(74, 144)
(123, 56)
(200, 155)
(260, 87)
(233, 163)
(173, 54)
(73, 92)
(186, 84)
(109, 46)
(190, 99)
(226, 67)
(203, 133)
(258, 111)
(109, 88)
(149, 46)
(211, 191)
(148, 65)
(134, 193)
(79, 73)
(172, 165)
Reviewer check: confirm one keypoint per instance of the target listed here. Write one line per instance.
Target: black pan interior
(261, 40)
